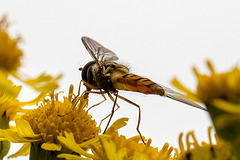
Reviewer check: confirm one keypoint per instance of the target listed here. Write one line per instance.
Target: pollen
(53, 117)
(10, 53)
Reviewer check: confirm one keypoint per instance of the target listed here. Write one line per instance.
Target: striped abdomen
(135, 83)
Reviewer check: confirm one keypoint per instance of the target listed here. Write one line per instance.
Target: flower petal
(117, 124)
(25, 130)
(110, 149)
(51, 146)
(34, 101)
(23, 151)
(14, 137)
(69, 142)
(10, 91)
(43, 83)
(93, 142)
(72, 157)
(226, 106)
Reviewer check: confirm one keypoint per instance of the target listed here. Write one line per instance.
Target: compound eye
(86, 71)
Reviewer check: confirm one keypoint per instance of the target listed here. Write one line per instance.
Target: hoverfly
(107, 76)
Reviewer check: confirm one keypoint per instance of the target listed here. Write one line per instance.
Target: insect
(108, 77)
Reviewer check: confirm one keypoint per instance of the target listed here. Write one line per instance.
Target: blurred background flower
(10, 61)
(220, 92)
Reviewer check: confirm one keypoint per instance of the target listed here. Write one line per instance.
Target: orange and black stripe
(135, 83)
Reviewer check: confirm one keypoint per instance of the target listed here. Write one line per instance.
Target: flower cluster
(195, 151)
(111, 145)
(53, 117)
(220, 92)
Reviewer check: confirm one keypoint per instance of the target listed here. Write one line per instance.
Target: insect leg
(97, 103)
(139, 114)
(110, 96)
(74, 100)
(102, 93)
(84, 98)
(77, 98)
(113, 109)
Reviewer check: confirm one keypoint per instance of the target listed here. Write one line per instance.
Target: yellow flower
(111, 146)
(10, 54)
(207, 151)
(10, 61)
(220, 92)
(52, 118)
(215, 86)
(9, 107)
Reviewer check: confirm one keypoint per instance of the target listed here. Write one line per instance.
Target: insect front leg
(113, 109)
(84, 98)
(77, 98)
(84, 95)
(110, 96)
(97, 103)
(102, 93)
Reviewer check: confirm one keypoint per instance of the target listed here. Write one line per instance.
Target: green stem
(230, 132)
(37, 153)
(4, 145)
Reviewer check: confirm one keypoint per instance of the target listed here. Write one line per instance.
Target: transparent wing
(180, 97)
(97, 51)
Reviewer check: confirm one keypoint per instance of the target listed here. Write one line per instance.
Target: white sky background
(157, 39)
